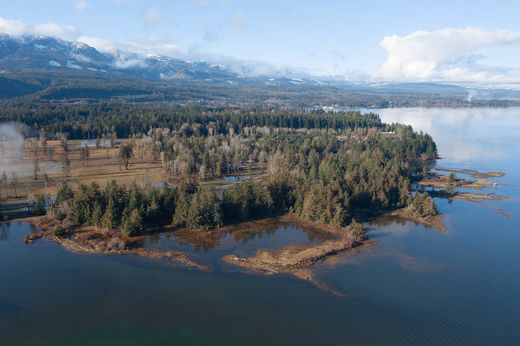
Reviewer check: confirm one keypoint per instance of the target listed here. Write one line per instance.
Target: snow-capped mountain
(36, 51)
(49, 53)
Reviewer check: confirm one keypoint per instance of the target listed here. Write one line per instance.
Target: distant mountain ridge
(51, 68)
(36, 51)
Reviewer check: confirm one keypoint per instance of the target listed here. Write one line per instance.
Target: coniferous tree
(97, 215)
(204, 211)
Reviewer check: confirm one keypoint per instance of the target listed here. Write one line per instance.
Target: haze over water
(416, 286)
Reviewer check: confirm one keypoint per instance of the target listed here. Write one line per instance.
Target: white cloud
(12, 27)
(123, 62)
(17, 28)
(142, 47)
(66, 32)
(447, 55)
(101, 44)
(81, 5)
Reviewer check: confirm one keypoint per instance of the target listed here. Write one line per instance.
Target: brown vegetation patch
(486, 196)
(95, 240)
(443, 183)
(295, 257)
(473, 173)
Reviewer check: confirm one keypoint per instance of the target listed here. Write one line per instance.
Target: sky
(443, 41)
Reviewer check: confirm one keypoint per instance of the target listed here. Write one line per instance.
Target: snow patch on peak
(80, 45)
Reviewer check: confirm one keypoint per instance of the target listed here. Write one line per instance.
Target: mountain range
(50, 68)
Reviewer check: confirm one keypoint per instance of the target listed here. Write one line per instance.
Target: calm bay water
(416, 286)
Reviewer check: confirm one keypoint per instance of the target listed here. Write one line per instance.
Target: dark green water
(417, 286)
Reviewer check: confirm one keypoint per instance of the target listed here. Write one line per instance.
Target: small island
(449, 185)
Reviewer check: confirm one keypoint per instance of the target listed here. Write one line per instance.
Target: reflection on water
(463, 134)
(208, 247)
(4, 231)
(412, 286)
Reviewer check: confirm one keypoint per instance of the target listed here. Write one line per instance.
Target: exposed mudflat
(473, 173)
(443, 183)
(297, 259)
(486, 196)
(104, 241)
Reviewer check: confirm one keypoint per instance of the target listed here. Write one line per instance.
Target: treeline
(123, 120)
(132, 210)
(114, 206)
(215, 155)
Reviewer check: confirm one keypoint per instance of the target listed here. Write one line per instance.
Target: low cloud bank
(450, 55)
(17, 28)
